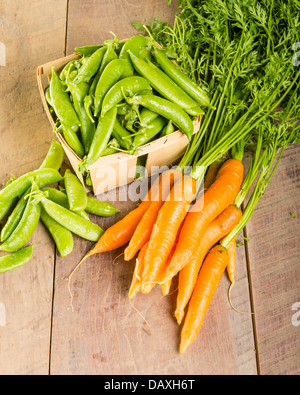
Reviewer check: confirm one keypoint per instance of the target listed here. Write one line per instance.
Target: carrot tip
(179, 314)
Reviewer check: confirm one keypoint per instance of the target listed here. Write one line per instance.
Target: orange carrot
(212, 173)
(143, 231)
(137, 275)
(216, 231)
(165, 230)
(219, 196)
(205, 289)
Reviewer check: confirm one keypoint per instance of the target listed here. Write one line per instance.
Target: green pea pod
(62, 237)
(148, 116)
(112, 148)
(101, 209)
(122, 135)
(88, 128)
(71, 221)
(123, 109)
(102, 136)
(109, 56)
(169, 111)
(75, 192)
(169, 129)
(55, 157)
(67, 70)
(62, 104)
(153, 129)
(14, 218)
(26, 227)
(53, 160)
(88, 50)
(15, 260)
(72, 140)
(94, 84)
(162, 83)
(48, 96)
(186, 83)
(18, 187)
(130, 85)
(90, 66)
(6, 205)
(61, 198)
(111, 75)
(135, 44)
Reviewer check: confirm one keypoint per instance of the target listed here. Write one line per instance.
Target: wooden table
(40, 334)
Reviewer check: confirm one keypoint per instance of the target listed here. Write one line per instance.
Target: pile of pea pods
(120, 96)
(64, 211)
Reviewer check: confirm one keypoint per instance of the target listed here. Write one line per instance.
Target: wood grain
(32, 35)
(90, 22)
(274, 255)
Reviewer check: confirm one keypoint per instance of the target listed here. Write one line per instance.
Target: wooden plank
(32, 34)
(90, 22)
(105, 334)
(274, 255)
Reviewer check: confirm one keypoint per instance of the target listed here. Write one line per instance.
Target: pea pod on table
(15, 260)
(111, 75)
(6, 205)
(61, 198)
(62, 237)
(130, 85)
(75, 191)
(71, 221)
(164, 85)
(62, 104)
(26, 227)
(102, 136)
(54, 157)
(167, 110)
(101, 209)
(18, 187)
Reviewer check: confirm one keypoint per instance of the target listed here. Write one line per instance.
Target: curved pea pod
(16, 259)
(26, 227)
(162, 83)
(88, 128)
(62, 104)
(148, 116)
(122, 135)
(62, 237)
(42, 177)
(48, 96)
(72, 140)
(54, 157)
(111, 75)
(67, 70)
(169, 111)
(102, 136)
(109, 56)
(71, 221)
(186, 83)
(61, 198)
(135, 45)
(152, 130)
(127, 86)
(101, 209)
(6, 205)
(88, 50)
(90, 66)
(76, 194)
(14, 218)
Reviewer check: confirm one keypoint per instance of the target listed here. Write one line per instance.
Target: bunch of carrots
(186, 230)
